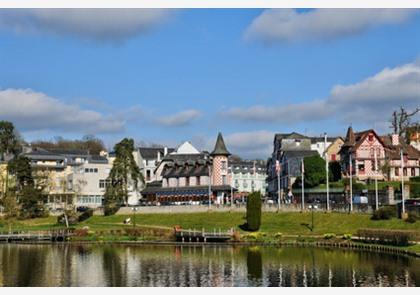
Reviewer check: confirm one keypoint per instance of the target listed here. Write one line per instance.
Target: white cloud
(369, 101)
(104, 25)
(179, 119)
(287, 25)
(36, 111)
(248, 145)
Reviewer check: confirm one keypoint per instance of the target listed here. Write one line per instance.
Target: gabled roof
(220, 147)
(186, 149)
(292, 135)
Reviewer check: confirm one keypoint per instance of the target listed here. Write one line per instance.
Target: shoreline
(376, 248)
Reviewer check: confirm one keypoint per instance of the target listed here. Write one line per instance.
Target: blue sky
(174, 75)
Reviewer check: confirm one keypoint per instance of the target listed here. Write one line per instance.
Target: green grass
(287, 223)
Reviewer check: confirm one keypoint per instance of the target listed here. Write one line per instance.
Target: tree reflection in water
(196, 265)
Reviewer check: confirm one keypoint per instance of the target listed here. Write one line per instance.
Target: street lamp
(134, 209)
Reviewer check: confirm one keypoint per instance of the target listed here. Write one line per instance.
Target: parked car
(82, 208)
(360, 200)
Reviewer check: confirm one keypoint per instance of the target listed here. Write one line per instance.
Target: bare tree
(401, 122)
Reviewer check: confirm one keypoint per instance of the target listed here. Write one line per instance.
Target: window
(198, 180)
(245, 184)
(103, 183)
(86, 170)
(397, 171)
(405, 171)
(224, 165)
(370, 137)
(95, 170)
(187, 181)
(236, 183)
(413, 171)
(224, 179)
(361, 167)
(148, 174)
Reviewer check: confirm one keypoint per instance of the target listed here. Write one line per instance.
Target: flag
(278, 167)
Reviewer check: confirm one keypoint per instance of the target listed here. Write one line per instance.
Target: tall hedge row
(253, 211)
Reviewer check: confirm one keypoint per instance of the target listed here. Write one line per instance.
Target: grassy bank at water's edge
(287, 223)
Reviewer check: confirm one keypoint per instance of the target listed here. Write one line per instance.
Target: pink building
(363, 146)
(187, 175)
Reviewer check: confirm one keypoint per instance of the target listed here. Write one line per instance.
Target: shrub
(383, 213)
(80, 232)
(278, 235)
(253, 211)
(385, 236)
(329, 236)
(412, 217)
(347, 237)
(85, 215)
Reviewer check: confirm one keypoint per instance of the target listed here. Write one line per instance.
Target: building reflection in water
(195, 265)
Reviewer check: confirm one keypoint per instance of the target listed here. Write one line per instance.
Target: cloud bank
(102, 25)
(179, 119)
(367, 101)
(287, 25)
(34, 111)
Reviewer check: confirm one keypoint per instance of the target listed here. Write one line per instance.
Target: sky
(166, 76)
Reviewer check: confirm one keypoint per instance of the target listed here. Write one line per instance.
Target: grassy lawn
(288, 223)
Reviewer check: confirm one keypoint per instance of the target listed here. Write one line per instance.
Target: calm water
(139, 265)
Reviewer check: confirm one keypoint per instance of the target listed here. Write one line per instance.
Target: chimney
(158, 156)
(165, 151)
(395, 139)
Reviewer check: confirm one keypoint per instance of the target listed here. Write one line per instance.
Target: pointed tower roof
(350, 138)
(220, 147)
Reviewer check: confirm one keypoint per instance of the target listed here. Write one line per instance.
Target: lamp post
(303, 186)
(134, 209)
(231, 186)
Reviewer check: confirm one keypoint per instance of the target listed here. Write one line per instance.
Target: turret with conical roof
(350, 138)
(220, 147)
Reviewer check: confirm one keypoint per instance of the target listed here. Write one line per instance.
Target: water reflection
(139, 265)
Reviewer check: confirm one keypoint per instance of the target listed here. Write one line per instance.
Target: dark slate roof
(184, 170)
(299, 153)
(292, 135)
(220, 147)
(248, 166)
(185, 189)
(39, 154)
(150, 153)
(98, 159)
(76, 152)
(322, 139)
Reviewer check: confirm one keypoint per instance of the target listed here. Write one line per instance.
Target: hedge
(386, 236)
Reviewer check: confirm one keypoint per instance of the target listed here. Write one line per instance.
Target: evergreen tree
(27, 196)
(253, 211)
(124, 173)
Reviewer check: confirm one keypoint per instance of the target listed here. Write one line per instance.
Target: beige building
(333, 150)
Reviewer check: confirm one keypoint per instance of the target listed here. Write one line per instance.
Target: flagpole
(351, 184)
(326, 171)
(402, 183)
(376, 181)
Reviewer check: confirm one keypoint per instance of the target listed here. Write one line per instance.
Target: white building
(249, 176)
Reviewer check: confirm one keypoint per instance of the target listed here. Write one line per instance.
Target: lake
(69, 264)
